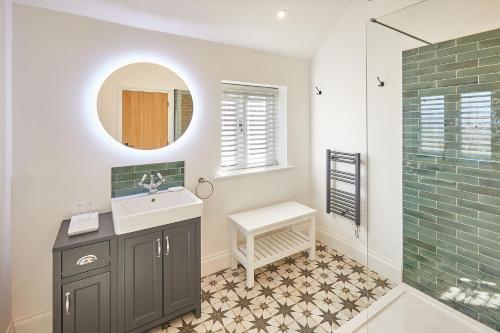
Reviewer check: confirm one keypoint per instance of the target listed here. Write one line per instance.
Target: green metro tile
(485, 199)
(150, 167)
(440, 61)
(438, 213)
(476, 189)
(437, 242)
(409, 233)
(438, 182)
(438, 76)
(178, 164)
(419, 57)
(489, 322)
(419, 201)
(458, 65)
(122, 185)
(410, 80)
(438, 197)
(457, 226)
(489, 269)
(458, 209)
(490, 238)
(457, 242)
(489, 77)
(479, 37)
(490, 253)
(463, 308)
(457, 178)
(458, 82)
(478, 70)
(427, 48)
(419, 243)
(457, 258)
(446, 44)
(437, 227)
(489, 43)
(408, 53)
(478, 54)
(437, 257)
(418, 186)
(417, 72)
(489, 61)
(493, 183)
(480, 207)
(420, 215)
(490, 226)
(409, 66)
(437, 91)
(121, 170)
(456, 50)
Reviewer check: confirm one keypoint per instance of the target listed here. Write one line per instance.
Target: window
(432, 125)
(249, 133)
(476, 131)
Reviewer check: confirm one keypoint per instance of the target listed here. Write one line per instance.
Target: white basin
(143, 211)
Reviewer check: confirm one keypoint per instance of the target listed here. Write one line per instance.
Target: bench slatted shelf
(258, 252)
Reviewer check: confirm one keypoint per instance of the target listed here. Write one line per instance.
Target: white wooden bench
(255, 253)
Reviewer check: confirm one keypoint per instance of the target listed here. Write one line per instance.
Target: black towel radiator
(340, 202)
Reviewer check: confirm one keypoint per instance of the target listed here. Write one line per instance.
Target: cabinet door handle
(67, 303)
(168, 246)
(85, 260)
(158, 242)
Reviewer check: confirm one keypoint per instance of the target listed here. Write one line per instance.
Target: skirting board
(383, 266)
(39, 323)
(42, 322)
(214, 263)
(10, 328)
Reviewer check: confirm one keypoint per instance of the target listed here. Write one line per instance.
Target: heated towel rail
(343, 202)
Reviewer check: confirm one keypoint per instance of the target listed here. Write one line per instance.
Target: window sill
(251, 171)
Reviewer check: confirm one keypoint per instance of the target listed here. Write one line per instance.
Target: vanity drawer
(85, 258)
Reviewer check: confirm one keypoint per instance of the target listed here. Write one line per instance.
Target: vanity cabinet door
(86, 305)
(143, 280)
(179, 277)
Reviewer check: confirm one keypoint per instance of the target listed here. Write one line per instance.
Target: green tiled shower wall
(125, 179)
(451, 173)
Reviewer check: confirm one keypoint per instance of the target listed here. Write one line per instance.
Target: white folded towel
(83, 223)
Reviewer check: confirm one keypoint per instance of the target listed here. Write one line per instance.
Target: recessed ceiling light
(281, 14)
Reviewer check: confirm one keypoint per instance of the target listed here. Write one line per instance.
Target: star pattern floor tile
(292, 295)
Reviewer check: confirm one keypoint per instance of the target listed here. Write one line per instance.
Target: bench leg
(251, 260)
(312, 238)
(233, 245)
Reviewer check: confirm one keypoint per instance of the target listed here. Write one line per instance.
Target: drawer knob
(85, 260)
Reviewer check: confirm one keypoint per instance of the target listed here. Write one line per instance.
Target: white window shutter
(249, 126)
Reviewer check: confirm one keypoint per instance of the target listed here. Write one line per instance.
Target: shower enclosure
(433, 153)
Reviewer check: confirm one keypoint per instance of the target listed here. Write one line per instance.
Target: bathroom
(415, 245)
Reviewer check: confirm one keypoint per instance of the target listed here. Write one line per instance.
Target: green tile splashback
(451, 173)
(125, 179)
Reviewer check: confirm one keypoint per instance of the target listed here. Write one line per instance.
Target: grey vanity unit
(133, 282)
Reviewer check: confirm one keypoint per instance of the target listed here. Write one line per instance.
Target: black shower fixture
(318, 92)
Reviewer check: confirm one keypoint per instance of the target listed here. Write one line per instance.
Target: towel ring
(202, 180)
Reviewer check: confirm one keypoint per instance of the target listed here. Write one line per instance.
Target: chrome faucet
(153, 185)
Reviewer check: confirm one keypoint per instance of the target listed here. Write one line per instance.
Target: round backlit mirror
(144, 106)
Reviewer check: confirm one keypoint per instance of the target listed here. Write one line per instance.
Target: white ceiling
(247, 23)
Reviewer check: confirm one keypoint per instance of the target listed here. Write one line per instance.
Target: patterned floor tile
(293, 295)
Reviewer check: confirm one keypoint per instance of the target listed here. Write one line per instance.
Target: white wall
(63, 156)
(5, 161)
(139, 76)
(352, 110)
